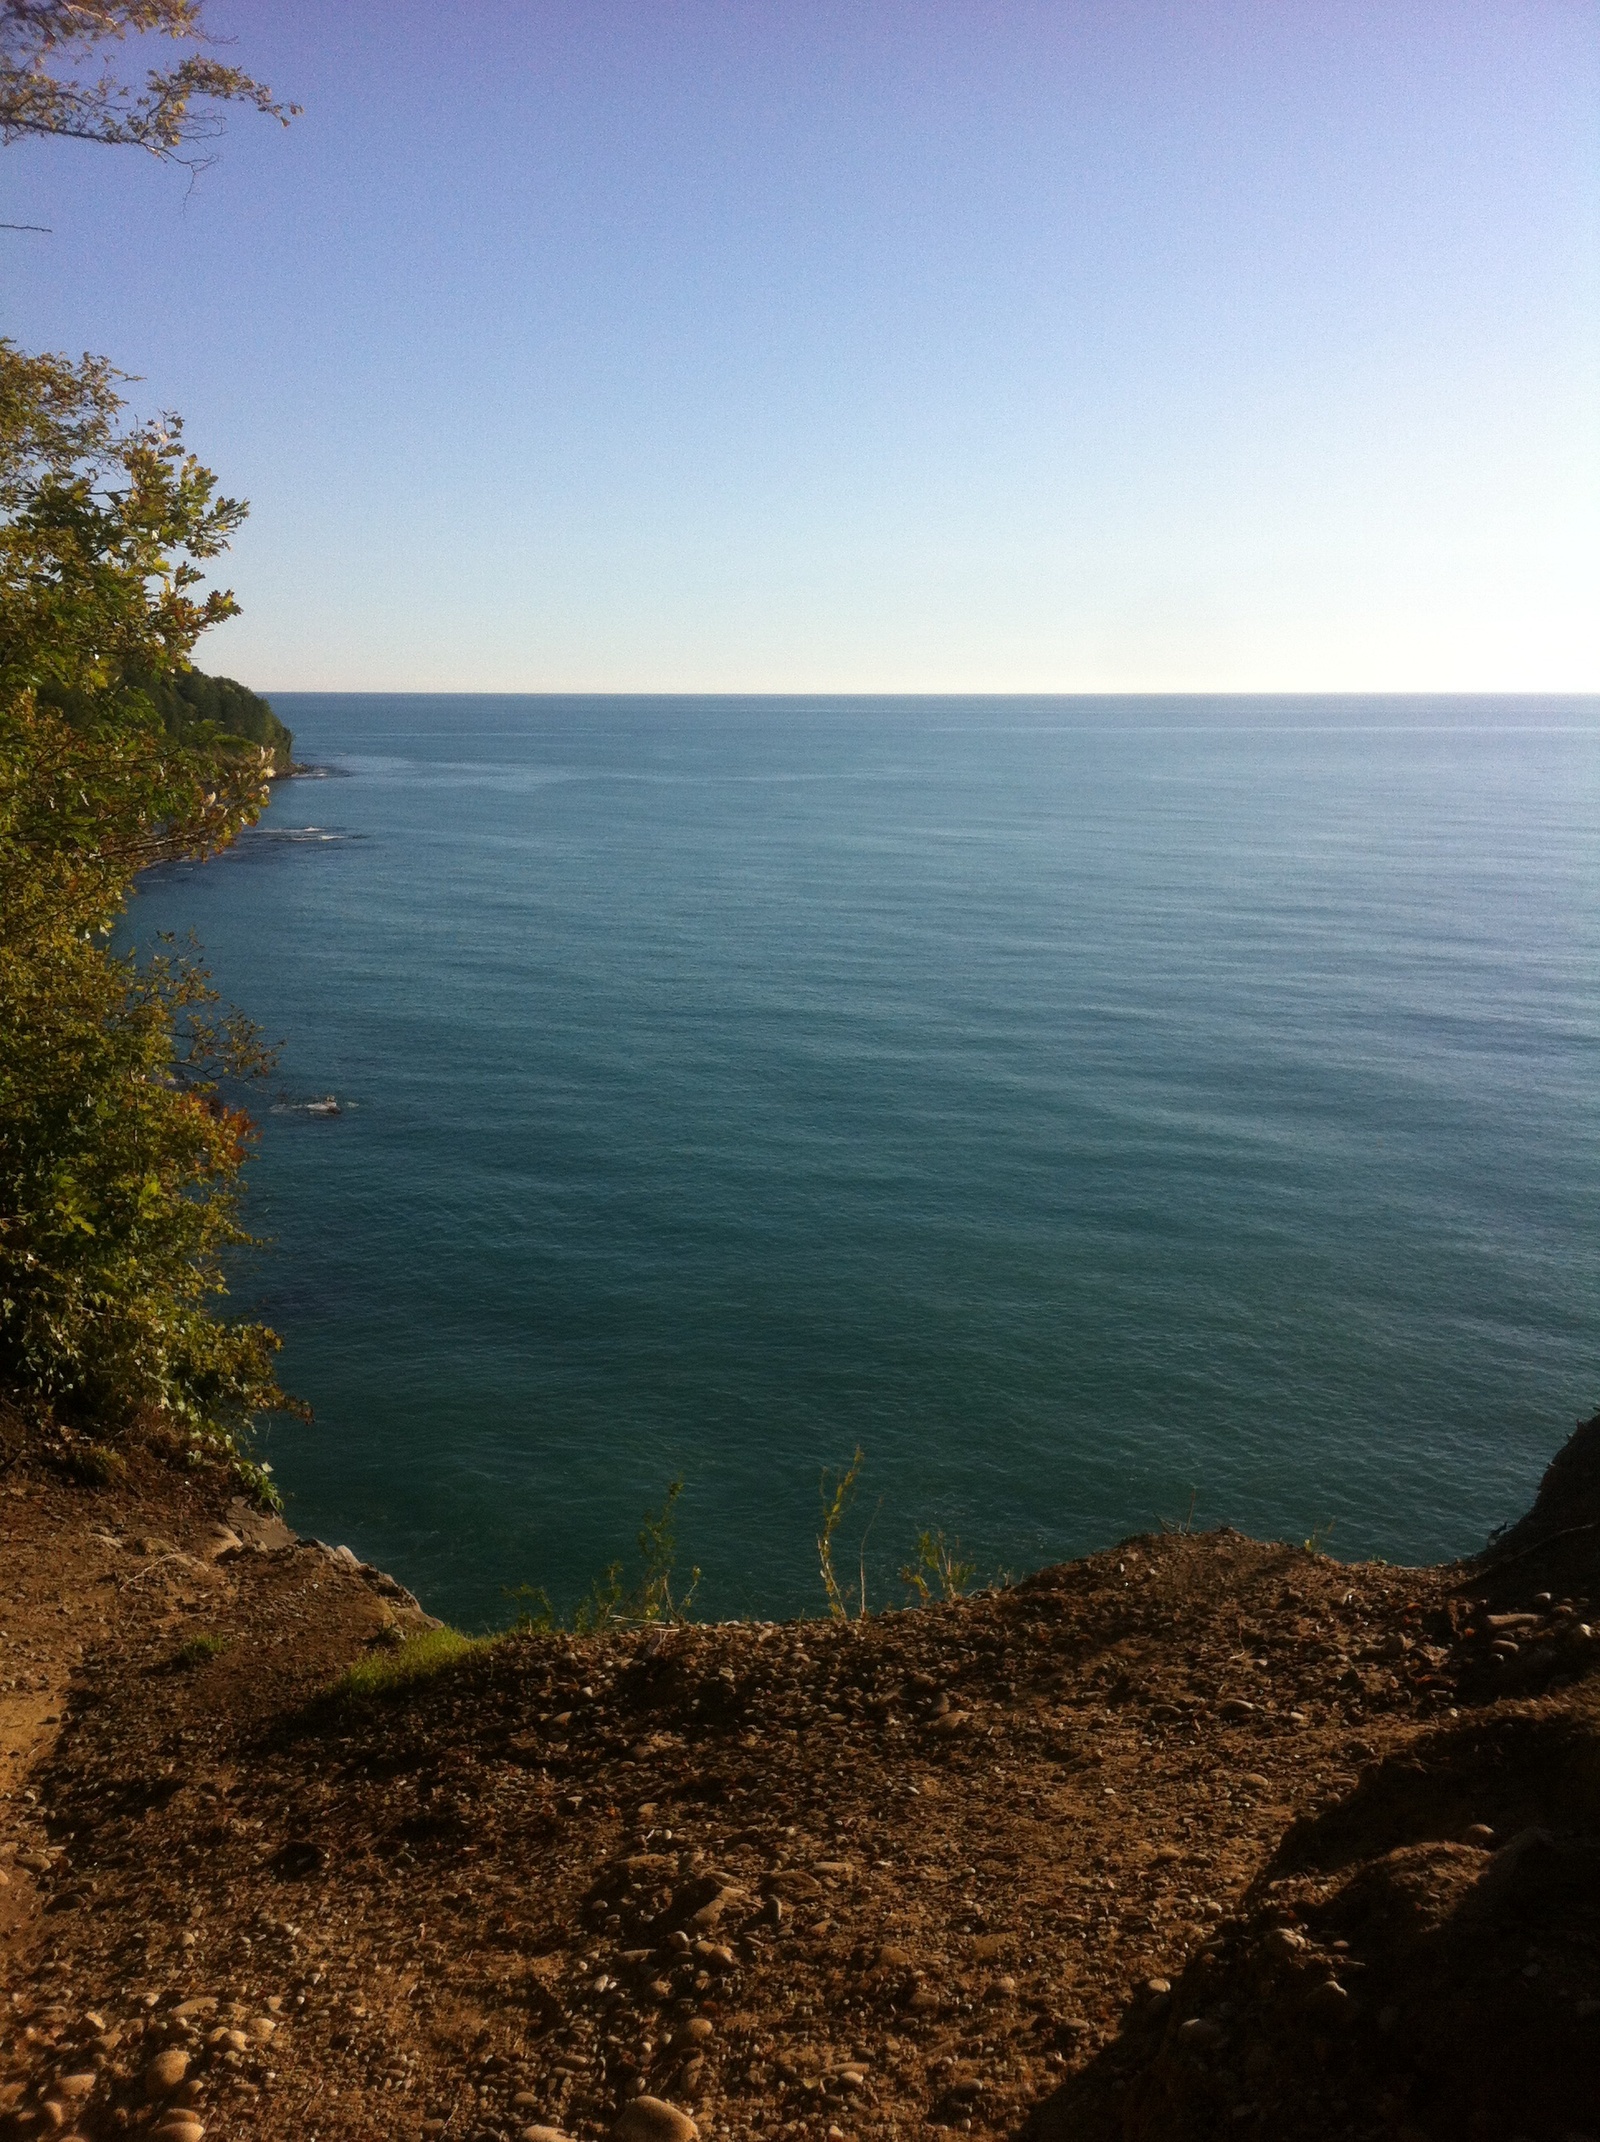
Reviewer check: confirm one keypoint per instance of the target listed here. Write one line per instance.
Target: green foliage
(93, 1465)
(198, 1650)
(536, 1612)
(838, 1489)
(120, 1159)
(197, 709)
(382, 1673)
(937, 1568)
(614, 1603)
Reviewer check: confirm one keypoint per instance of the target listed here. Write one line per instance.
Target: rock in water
(650, 2119)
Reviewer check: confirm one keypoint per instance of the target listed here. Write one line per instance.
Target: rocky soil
(1201, 1836)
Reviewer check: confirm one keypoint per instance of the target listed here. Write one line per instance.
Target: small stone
(544, 2134)
(1330, 1999)
(1478, 1833)
(77, 2087)
(1001, 1989)
(1256, 1782)
(1200, 2033)
(695, 2032)
(1158, 1988)
(1283, 1942)
(178, 2127)
(165, 2072)
(263, 2029)
(892, 1957)
(651, 2119)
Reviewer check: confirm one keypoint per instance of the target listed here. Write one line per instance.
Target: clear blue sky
(876, 344)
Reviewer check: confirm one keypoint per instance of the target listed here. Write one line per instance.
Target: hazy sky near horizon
(876, 344)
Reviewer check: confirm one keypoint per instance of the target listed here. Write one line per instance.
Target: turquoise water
(1077, 1104)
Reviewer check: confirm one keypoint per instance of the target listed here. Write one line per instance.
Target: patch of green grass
(417, 1659)
(200, 1648)
(93, 1465)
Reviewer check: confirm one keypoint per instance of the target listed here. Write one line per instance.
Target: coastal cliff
(1202, 1835)
(191, 703)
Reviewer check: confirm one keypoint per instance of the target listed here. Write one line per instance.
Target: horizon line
(342, 691)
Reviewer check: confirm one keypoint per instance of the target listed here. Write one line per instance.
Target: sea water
(1095, 1111)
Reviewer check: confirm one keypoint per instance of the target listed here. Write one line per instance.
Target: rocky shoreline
(1199, 1836)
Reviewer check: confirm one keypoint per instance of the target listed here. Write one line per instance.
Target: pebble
(178, 2127)
(1478, 1833)
(1200, 2032)
(165, 2072)
(544, 2134)
(77, 2086)
(1329, 1999)
(651, 2119)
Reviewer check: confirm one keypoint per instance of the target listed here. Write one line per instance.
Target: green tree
(119, 1158)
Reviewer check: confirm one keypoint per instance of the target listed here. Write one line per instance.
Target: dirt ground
(1201, 1836)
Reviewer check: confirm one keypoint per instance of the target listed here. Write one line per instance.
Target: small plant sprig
(938, 1564)
(612, 1603)
(199, 1650)
(1185, 1525)
(838, 1490)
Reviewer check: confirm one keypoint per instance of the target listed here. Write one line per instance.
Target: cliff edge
(1200, 1836)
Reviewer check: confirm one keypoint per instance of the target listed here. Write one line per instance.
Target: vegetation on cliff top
(197, 709)
(119, 1160)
